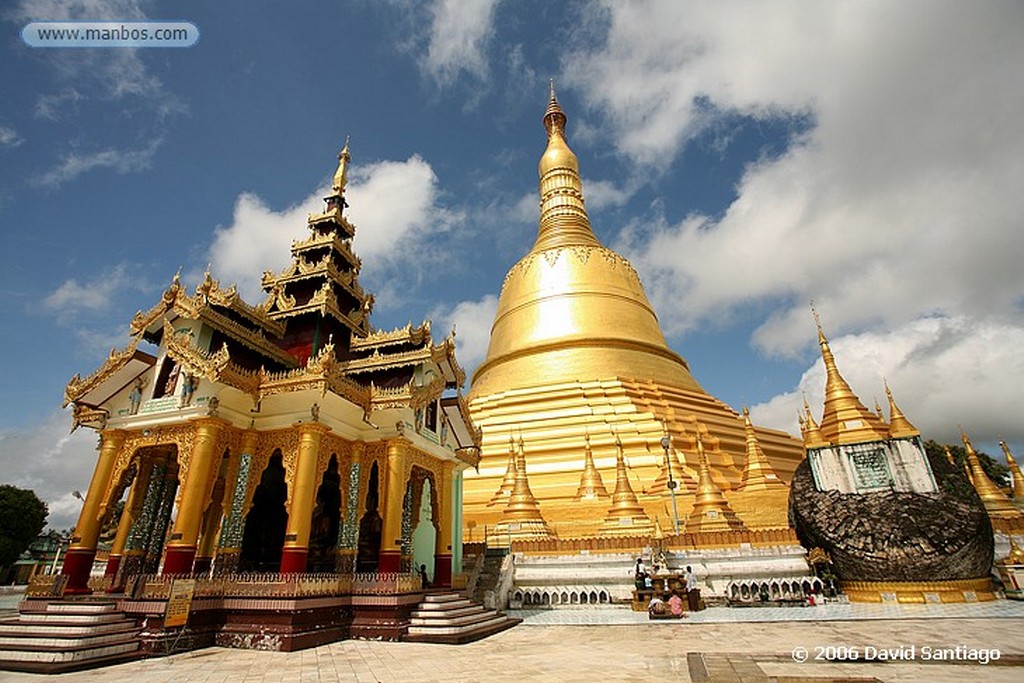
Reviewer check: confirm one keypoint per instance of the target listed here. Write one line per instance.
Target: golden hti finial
(899, 426)
(711, 511)
(508, 483)
(996, 503)
(1016, 478)
(878, 411)
(341, 175)
(591, 485)
(758, 473)
(563, 216)
(844, 418)
(626, 517)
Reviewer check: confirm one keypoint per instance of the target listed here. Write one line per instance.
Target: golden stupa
(576, 354)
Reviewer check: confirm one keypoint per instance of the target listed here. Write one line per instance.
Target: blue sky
(747, 157)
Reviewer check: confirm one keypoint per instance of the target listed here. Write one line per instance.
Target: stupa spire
(509, 482)
(563, 216)
(996, 503)
(899, 425)
(711, 511)
(1015, 474)
(591, 484)
(626, 517)
(522, 518)
(758, 473)
(813, 438)
(844, 418)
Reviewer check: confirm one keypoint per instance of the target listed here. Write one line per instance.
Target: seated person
(675, 604)
(657, 606)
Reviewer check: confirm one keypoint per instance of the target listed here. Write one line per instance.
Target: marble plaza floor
(719, 645)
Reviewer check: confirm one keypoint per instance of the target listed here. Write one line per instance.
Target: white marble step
(444, 606)
(458, 621)
(13, 628)
(66, 656)
(65, 618)
(81, 607)
(440, 615)
(46, 641)
(443, 597)
(461, 628)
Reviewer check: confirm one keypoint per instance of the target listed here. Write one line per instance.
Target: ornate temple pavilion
(579, 374)
(288, 436)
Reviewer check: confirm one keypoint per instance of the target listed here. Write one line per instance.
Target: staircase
(454, 619)
(490, 573)
(64, 635)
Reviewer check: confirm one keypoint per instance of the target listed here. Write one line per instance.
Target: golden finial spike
(1015, 474)
(341, 175)
(626, 516)
(996, 503)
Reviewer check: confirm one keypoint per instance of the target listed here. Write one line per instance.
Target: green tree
(996, 471)
(22, 518)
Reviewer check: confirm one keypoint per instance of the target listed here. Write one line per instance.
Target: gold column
(181, 550)
(79, 558)
(132, 507)
(394, 493)
(296, 538)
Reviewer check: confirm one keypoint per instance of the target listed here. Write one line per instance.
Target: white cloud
(95, 295)
(51, 462)
(394, 205)
(9, 137)
(120, 160)
(472, 321)
(459, 34)
(900, 201)
(944, 372)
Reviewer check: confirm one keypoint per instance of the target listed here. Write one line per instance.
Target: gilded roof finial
(711, 511)
(341, 175)
(813, 438)
(899, 426)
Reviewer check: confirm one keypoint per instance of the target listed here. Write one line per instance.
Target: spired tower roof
(571, 308)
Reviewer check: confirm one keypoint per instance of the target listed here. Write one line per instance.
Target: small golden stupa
(999, 507)
(711, 511)
(522, 518)
(626, 517)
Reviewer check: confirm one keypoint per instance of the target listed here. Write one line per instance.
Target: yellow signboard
(180, 602)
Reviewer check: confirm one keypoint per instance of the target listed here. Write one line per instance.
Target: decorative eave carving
(384, 361)
(216, 366)
(334, 217)
(469, 455)
(406, 396)
(322, 373)
(400, 335)
(209, 294)
(445, 353)
(78, 387)
(89, 417)
(477, 432)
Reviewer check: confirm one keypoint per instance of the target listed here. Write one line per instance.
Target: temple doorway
(325, 522)
(263, 537)
(424, 536)
(370, 526)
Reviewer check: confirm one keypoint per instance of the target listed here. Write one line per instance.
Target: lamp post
(666, 443)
